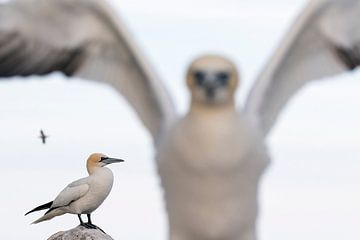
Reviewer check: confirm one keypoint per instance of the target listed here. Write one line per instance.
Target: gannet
(211, 160)
(84, 195)
(43, 137)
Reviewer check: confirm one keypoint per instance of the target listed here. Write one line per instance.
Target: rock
(80, 233)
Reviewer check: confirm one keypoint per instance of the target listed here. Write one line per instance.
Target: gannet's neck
(92, 169)
(199, 108)
(97, 169)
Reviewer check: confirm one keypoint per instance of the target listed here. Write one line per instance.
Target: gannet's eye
(223, 78)
(199, 77)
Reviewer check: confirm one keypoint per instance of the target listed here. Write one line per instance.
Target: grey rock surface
(80, 233)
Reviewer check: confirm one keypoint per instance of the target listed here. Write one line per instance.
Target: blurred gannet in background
(85, 195)
(43, 137)
(210, 161)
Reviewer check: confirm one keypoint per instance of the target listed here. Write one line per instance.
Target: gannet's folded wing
(324, 41)
(71, 193)
(81, 38)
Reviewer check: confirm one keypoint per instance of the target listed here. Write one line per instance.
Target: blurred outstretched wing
(324, 41)
(81, 38)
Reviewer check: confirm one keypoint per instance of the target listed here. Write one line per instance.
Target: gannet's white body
(84, 195)
(211, 160)
(210, 165)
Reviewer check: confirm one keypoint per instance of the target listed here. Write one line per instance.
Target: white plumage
(85, 195)
(210, 165)
(211, 160)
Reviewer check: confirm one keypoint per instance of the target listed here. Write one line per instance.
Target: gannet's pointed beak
(108, 160)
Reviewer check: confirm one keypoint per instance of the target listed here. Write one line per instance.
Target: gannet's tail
(50, 214)
(41, 207)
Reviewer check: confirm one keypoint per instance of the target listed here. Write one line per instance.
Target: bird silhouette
(43, 136)
(210, 160)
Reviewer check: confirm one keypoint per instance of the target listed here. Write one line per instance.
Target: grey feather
(317, 46)
(81, 38)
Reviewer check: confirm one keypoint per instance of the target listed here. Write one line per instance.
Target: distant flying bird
(211, 160)
(85, 195)
(43, 136)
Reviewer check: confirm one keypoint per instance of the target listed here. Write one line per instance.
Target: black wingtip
(350, 57)
(41, 207)
(29, 212)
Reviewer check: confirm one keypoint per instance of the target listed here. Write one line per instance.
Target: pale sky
(311, 191)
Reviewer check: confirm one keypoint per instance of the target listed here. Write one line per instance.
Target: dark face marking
(214, 80)
(199, 77)
(210, 82)
(103, 158)
(223, 78)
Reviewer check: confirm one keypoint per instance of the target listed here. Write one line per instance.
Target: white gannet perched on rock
(85, 195)
(210, 161)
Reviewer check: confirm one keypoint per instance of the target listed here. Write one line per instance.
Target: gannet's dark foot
(88, 225)
(93, 226)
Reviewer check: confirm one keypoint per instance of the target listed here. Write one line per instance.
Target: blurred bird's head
(212, 80)
(97, 160)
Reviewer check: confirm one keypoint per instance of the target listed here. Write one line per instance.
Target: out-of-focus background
(311, 191)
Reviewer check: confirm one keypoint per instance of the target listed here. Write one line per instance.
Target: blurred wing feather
(317, 46)
(81, 38)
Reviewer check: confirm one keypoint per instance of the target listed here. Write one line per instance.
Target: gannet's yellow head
(212, 80)
(97, 160)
